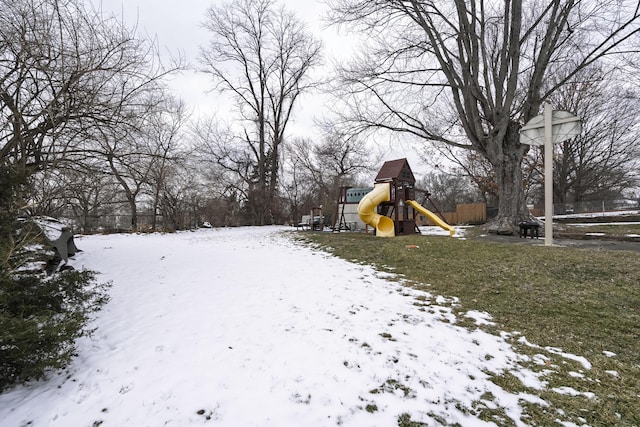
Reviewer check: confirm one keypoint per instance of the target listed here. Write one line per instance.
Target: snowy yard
(244, 327)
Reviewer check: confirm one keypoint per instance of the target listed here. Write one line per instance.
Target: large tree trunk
(507, 162)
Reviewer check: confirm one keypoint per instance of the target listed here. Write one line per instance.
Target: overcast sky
(178, 28)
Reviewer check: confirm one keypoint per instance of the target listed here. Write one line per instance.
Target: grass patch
(614, 231)
(585, 302)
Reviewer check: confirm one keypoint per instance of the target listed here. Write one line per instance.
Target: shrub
(40, 320)
(40, 316)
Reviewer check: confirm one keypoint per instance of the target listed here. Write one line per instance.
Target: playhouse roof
(397, 170)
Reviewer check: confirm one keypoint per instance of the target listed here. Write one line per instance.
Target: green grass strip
(585, 302)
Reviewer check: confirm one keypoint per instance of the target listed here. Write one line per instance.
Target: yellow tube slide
(433, 217)
(367, 210)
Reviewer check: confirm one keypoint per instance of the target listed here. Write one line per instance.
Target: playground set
(390, 207)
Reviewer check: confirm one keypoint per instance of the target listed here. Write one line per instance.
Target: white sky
(177, 26)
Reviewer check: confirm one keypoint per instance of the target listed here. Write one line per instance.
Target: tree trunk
(507, 162)
(156, 204)
(134, 214)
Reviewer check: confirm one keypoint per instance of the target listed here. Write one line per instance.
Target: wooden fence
(468, 213)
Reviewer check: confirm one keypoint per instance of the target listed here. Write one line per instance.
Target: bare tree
(47, 195)
(183, 198)
(64, 71)
(129, 162)
(470, 74)
(92, 197)
(261, 55)
(476, 167)
(447, 189)
(325, 167)
(164, 130)
(226, 166)
(602, 162)
(297, 184)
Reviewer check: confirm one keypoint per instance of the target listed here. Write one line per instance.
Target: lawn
(575, 312)
(622, 231)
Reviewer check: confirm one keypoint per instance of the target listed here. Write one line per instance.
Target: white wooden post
(548, 174)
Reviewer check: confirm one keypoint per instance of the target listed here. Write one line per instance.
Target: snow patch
(245, 326)
(480, 317)
(554, 350)
(570, 391)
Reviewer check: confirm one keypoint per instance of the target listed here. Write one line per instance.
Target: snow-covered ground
(596, 214)
(244, 327)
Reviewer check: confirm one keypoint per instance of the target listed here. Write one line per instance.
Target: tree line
(89, 120)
